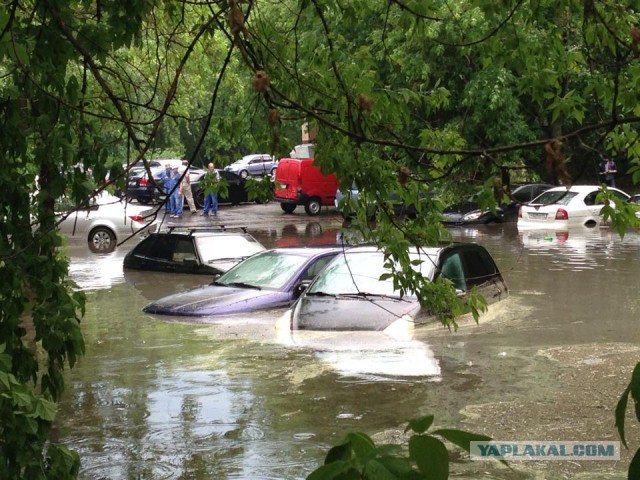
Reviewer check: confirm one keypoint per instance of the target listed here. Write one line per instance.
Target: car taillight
(136, 218)
(143, 182)
(562, 214)
(519, 212)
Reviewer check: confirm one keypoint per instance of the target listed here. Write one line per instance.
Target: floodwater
(161, 398)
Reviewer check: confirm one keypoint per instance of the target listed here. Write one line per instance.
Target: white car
(107, 221)
(565, 207)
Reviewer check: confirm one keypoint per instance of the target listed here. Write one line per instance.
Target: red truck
(302, 183)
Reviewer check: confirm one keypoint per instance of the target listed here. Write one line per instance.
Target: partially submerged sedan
(349, 294)
(106, 221)
(565, 207)
(207, 251)
(270, 279)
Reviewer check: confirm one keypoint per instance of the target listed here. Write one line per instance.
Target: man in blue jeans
(211, 200)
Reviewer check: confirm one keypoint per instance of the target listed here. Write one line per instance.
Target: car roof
(575, 188)
(430, 251)
(310, 250)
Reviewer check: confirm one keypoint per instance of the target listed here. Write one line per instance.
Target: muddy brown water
(163, 398)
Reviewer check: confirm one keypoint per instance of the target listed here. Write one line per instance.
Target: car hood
(214, 299)
(347, 313)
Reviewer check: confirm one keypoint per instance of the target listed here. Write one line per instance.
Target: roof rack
(205, 228)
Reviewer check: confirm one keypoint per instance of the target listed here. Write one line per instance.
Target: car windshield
(358, 272)
(560, 197)
(220, 247)
(268, 270)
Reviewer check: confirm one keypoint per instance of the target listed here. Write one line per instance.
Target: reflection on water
(155, 398)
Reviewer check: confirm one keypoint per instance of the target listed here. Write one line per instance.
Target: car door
(159, 254)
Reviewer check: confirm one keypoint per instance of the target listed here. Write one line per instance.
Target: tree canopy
(452, 97)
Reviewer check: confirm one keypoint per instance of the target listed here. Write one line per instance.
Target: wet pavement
(167, 398)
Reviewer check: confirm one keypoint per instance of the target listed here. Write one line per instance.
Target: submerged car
(349, 294)
(105, 222)
(469, 212)
(200, 251)
(565, 207)
(270, 279)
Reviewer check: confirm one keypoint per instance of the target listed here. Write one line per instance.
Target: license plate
(537, 215)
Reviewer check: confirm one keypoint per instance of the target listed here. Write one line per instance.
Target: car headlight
(472, 215)
(402, 328)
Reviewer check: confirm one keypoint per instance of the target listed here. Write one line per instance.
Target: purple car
(270, 279)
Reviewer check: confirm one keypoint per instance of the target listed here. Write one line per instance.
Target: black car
(141, 189)
(206, 251)
(469, 212)
(236, 192)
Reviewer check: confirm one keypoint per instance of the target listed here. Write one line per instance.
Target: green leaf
(337, 470)
(621, 409)
(635, 383)
(45, 410)
(376, 469)
(361, 445)
(430, 455)
(420, 425)
(461, 438)
(634, 467)
(339, 453)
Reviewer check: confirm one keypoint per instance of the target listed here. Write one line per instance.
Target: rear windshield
(226, 246)
(560, 197)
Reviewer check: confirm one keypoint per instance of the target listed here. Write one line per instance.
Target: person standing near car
(185, 189)
(610, 172)
(167, 176)
(177, 201)
(209, 185)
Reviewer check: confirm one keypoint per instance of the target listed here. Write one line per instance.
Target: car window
(559, 197)
(360, 272)
(452, 270)
(269, 270)
(184, 250)
(479, 267)
(217, 247)
(591, 198)
(315, 268)
(161, 247)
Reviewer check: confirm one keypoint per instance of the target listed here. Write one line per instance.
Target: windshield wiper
(321, 294)
(243, 285)
(366, 295)
(213, 260)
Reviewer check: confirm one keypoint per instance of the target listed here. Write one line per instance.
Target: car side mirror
(301, 287)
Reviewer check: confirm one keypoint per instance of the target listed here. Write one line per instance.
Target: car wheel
(288, 207)
(273, 172)
(243, 174)
(198, 199)
(144, 200)
(102, 240)
(313, 207)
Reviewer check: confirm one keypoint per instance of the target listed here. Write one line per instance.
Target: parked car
(349, 294)
(270, 279)
(236, 192)
(206, 251)
(300, 182)
(142, 190)
(353, 194)
(469, 212)
(255, 164)
(564, 207)
(105, 222)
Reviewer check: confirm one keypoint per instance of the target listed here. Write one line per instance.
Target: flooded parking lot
(164, 398)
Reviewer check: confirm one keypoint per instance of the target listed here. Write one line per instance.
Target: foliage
(260, 190)
(632, 389)
(212, 183)
(452, 98)
(424, 457)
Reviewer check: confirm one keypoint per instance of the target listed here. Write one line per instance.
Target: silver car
(256, 164)
(107, 221)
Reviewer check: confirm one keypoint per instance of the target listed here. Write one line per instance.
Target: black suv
(207, 250)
